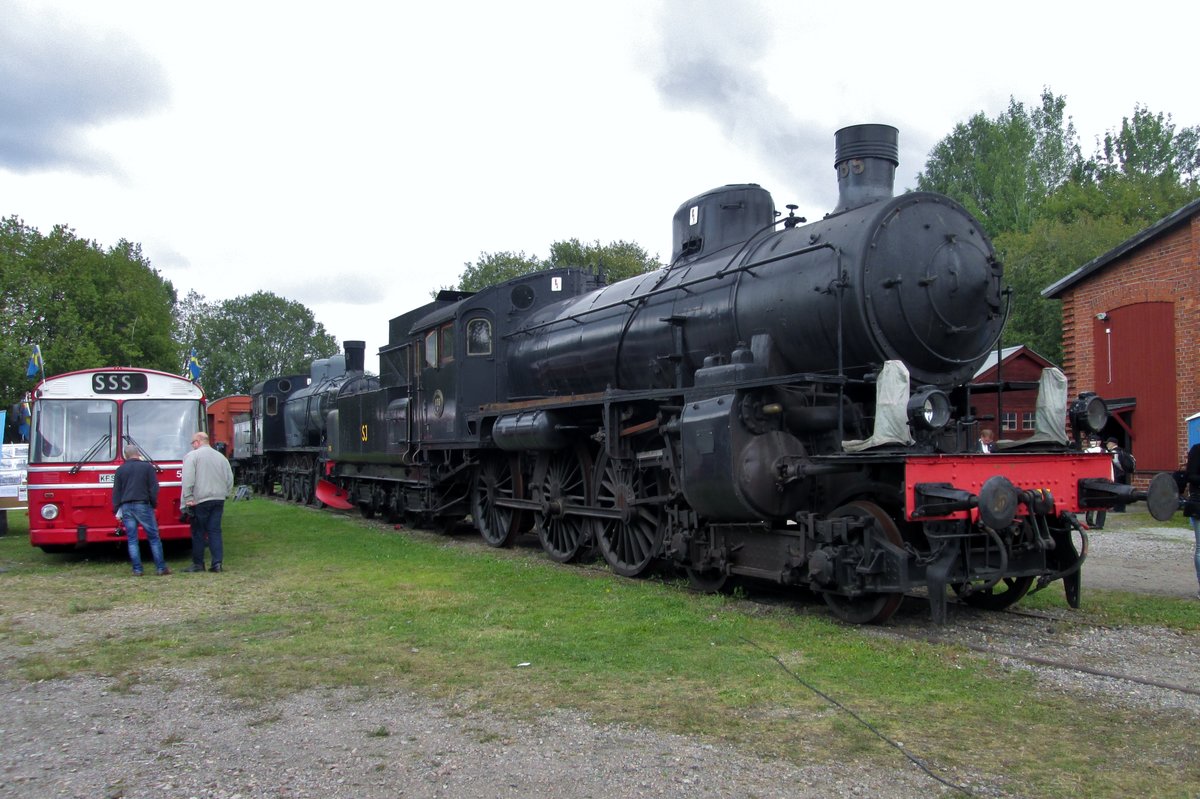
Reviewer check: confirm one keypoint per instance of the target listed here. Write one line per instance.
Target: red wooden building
(1131, 333)
(1012, 409)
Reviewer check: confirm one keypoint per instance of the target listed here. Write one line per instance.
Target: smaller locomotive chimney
(865, 157)
(356, 355)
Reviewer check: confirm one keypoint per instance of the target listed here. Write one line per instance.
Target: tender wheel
(497, 477)
(630, 542)
(565, 481)
(1003, 594)
(867, 608)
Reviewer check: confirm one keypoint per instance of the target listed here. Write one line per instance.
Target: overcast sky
(354, 156)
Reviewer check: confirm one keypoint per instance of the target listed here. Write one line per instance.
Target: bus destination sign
(119, 383)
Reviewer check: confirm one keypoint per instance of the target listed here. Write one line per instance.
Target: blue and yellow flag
(193, 365)
(35, 362)
(23, 421)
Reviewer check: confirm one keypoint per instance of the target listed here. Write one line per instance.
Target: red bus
(81, 423)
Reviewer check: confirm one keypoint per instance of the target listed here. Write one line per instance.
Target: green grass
(317, 599)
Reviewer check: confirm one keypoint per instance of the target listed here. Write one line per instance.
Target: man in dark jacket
(1192, 508)
(134, 497)
(1123, 466)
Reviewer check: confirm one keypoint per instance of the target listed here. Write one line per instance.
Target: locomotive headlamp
(49, 512)
(929, 408)
(1089, 413)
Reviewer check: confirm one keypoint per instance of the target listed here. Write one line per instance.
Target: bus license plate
(108, 478)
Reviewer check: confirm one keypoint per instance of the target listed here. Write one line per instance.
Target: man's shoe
(195, 567)
(165, 572)
(137, 574)
(216, 567)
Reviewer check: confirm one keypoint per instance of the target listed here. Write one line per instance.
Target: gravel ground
(172, 735)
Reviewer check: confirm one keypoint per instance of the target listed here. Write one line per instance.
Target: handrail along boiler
(80, 424)
(786, 401)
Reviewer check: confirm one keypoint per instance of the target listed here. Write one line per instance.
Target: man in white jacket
(207, 480)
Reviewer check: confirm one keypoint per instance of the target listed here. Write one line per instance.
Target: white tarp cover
(1050, 417)
(891, 410)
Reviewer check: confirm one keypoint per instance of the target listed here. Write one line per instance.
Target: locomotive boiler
(912, 278)
(786, 401)
(282, 440)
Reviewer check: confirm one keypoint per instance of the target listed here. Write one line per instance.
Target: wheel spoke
(630, 544)
(496, 477)
(563, 483)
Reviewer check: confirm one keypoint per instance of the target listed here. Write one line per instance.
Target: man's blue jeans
(1196, 531)
(206, 525)
(133, 514)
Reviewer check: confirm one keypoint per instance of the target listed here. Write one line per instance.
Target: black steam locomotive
(786, 401)
(282, 440)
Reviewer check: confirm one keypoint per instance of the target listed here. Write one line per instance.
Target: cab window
(431, 348)
(479, 337)
(447, 343)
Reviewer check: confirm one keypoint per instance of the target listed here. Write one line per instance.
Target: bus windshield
(68, 430)
(162, 429)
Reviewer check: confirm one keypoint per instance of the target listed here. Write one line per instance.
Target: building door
(1135, 357)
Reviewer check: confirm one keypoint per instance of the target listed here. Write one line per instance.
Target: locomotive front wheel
(632, 542)
(497, 477)
(706, 581)
(1000, 596)
(566, 478)
(867, 608)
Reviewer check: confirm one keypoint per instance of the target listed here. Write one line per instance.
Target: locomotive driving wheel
(870, 608)
(1008, 591)
(631, 540)
(565, 480)
(497, 477)
(304, 485)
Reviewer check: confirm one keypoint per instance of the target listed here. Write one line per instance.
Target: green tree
(1036, 258)
(496, 267)
(1050, 211)
(1002, 169)
(241, 341)
(1149, 145)
(1141, 172)
(84, 305)
(618, 260)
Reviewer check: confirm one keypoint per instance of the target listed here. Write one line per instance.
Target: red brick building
(1131, 333)
(1012, 409)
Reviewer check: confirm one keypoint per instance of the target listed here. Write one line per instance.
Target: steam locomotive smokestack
(866, 157)
(356, 356)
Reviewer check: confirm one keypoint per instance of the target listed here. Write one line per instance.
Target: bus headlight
(49, 512)
(929, 408)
